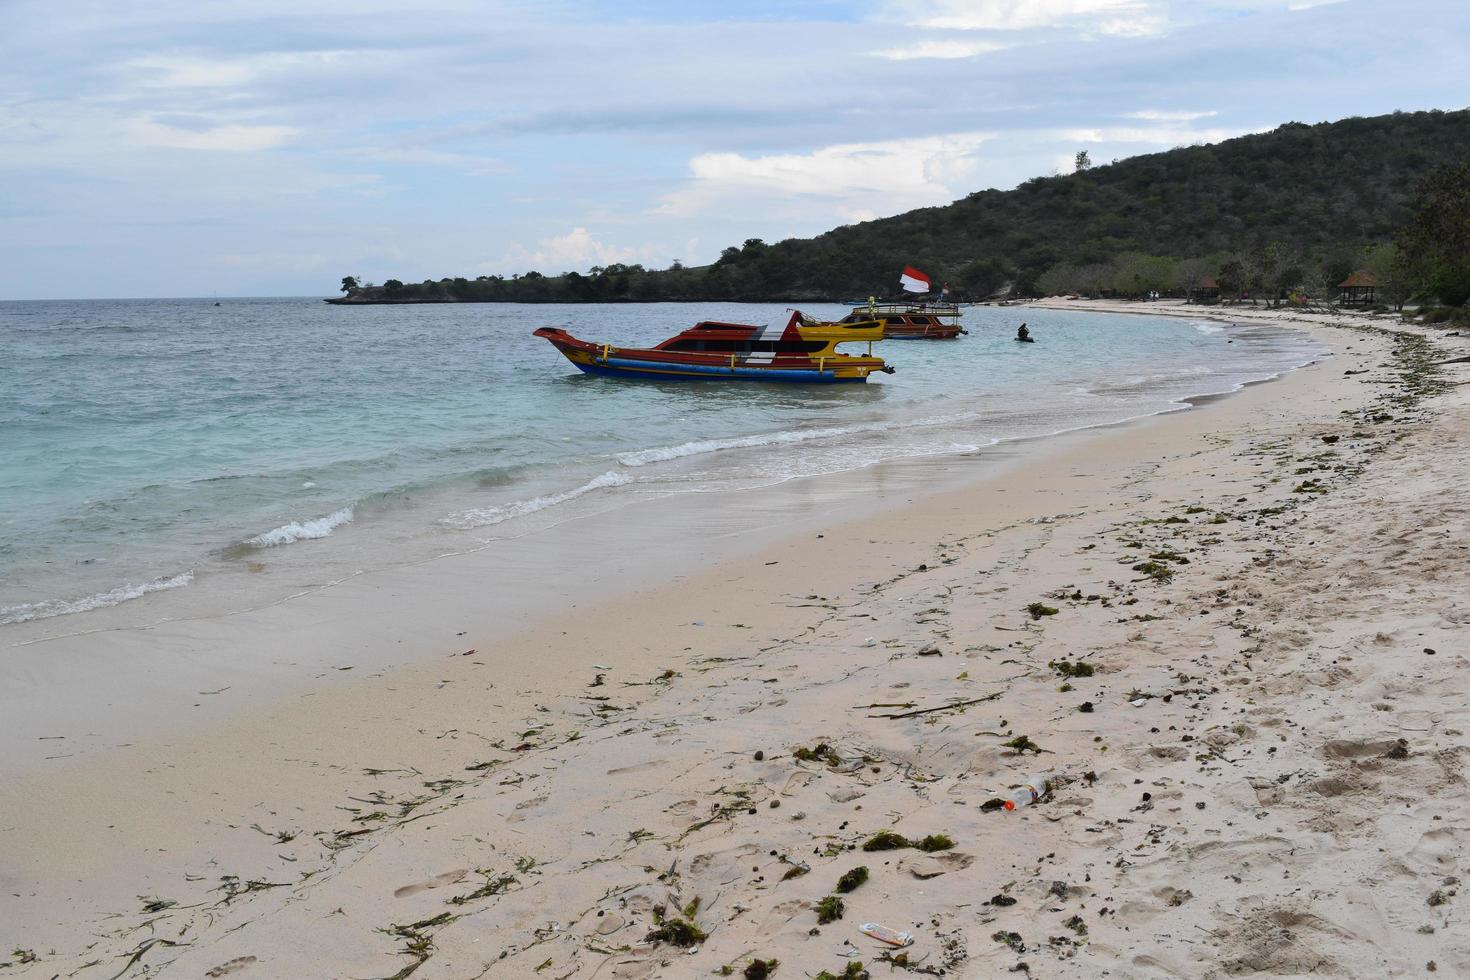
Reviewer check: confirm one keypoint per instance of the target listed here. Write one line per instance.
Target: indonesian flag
(914, 281)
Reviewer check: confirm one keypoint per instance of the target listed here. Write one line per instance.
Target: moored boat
(911, 321)
(804, 351)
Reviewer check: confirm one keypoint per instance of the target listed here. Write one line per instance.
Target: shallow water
(149, 445)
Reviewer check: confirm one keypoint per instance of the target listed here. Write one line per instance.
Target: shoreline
(146, 679)
(784, 630)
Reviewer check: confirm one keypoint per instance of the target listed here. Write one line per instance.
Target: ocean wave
(698, 447)
(486, 516)
(302, 530)
(27, 611)
(1207, 328)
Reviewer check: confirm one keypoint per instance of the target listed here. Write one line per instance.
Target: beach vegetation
(1067, 668)
(1022, 744)
(935, 842)
(852, 879)
(853, 971)
(821, 752)
(830, 909)
(886, 840)
(492, 886)
(760, 969)
(1040, 609)
(1011, 939)
(676, 932)
(1155, 570)
(1270, 214)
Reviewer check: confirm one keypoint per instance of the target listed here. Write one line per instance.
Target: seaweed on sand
(830, 909)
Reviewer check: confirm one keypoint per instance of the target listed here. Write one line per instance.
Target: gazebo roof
(1360, 278)
(1209, 282)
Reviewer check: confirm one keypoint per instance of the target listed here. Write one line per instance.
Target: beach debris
(885, 935)
(830, 909)
(1002, 900)
(870, 642)
(821, 752)
(852, 879)
(1066, 668)
(929, 651)
(1040, 609)
(1011, 939)
(1023, 744)
(1032, 790)
(492, 886)
(943, 707)
(760, 969)
(230, 966)
(888, 840)
(853, 971)
(676, 932)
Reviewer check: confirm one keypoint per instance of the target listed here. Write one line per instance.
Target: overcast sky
(270, 147)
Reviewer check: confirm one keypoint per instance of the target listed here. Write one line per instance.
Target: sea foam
(486, 516)
(25, 612)
(310, 530)
(698, 447)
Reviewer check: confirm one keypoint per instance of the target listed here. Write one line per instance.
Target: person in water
(1022, 333)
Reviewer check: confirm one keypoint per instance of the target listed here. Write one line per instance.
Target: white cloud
(465, 163)
(186, 71)
(1155, 136)
(1159, 115)
(1116, 17)
(234, 138)
(861, 179)
(939, 49)
(577, 249)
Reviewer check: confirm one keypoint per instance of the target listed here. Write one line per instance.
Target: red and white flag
(914, 281)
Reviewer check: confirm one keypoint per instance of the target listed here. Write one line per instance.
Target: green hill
(1315, 195)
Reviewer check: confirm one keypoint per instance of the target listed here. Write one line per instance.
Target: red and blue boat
(804, 351)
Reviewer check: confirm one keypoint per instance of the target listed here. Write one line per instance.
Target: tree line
(1267, 214)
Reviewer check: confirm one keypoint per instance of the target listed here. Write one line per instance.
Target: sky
(271, 147)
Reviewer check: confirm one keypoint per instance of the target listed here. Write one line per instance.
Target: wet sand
(1210, 631)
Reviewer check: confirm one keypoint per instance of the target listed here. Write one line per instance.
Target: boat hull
(619, 367)
(773, 363)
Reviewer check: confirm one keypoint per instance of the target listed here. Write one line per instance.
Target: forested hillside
(1313, 196)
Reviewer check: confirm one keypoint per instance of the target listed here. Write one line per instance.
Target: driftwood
(944, 707)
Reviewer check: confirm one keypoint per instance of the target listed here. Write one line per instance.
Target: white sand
(1286, 830)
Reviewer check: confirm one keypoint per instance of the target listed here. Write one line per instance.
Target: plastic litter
(1031, 791)
(870, 642)
(891, 937)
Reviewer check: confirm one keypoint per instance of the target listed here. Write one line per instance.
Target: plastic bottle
(1031, 790)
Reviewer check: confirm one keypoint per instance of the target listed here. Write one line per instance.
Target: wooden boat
(911, 321)
(803, 351)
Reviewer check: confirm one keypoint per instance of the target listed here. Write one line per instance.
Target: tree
(1083, 161)
(392, 285)
(1435, 245)
(1387, 266)
(349, 283)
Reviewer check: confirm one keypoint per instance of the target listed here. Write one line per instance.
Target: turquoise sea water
(150, 444)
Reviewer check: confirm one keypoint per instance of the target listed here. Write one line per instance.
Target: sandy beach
(1230, 639)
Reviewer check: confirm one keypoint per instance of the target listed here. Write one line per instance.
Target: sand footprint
(438, 881)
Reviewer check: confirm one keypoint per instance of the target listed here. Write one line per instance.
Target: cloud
(467, 164)
(860, 179)
(577, 249)
(189, 71)
(232, 137)
(1153, 136)
(1114, 17)
(939, 49)
(1158, 115)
